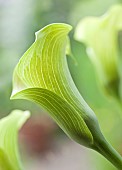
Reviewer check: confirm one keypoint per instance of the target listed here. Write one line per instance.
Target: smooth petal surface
(9, 126)
(100, 34)
(42, 76)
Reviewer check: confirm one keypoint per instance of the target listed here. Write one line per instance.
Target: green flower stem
(103, 147)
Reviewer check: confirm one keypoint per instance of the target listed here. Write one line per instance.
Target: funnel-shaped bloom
(100, 34)
(42, 76)
(9, 126)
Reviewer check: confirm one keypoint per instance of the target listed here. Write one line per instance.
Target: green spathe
(100, 34)
(42, 76)
(9, 126)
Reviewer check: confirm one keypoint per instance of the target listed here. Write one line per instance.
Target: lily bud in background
(9, 127)
(100, 34)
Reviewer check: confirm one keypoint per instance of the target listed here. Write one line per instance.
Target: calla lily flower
(9, 126)
(100, 34)
(42, 76)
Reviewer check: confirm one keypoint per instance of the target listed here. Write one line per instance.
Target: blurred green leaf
(9, 126)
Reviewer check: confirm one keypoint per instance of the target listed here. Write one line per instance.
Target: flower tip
(66, 27)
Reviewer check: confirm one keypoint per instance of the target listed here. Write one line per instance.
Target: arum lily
(100, 34)
(9, 126)
(42, 76)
